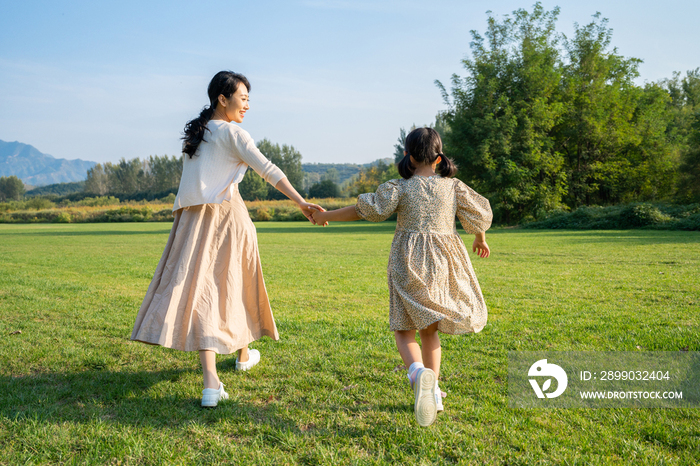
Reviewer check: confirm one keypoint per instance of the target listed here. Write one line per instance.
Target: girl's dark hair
(223, 83)
(425, 145)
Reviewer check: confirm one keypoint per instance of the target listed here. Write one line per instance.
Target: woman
(208, 293)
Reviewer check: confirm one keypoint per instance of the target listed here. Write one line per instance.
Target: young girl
(432, 284)
(208, 293)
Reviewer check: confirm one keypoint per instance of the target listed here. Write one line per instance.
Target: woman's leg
(243, 354)
(208, 360)
(430, 348)
(408, 347)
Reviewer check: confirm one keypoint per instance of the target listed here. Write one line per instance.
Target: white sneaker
(425, 406)
(439, 395)
(253, 359)
(212, 396)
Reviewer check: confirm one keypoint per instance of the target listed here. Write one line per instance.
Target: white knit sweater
(219, 163)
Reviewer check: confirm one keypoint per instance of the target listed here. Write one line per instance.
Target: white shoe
(425, 406)
(253, 359)
(439, 395)
(212, 396)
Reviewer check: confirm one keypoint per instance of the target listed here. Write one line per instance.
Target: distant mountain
(38, 169)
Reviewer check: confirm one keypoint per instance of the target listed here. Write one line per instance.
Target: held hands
(309, 209)
(481, 248)
(320, 217)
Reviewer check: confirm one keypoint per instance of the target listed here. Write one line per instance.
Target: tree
(370, 178)
(684, 131)
(613, 132)
(324, 189)
(332, 175)
(500, 115)
(11, 188)
(253, 187)
(689, 187)
(126, 177)
(163, 173)
(400, 146)
(288, 159)
(97, 181)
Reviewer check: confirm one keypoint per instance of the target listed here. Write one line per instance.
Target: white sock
(411, 370)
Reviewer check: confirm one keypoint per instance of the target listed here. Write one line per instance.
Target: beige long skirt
(208, 291)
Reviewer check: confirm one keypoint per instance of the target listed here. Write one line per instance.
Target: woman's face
(235, 106)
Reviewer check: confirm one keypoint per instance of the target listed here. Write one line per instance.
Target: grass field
(75, 390)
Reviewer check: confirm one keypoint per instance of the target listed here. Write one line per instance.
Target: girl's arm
(308, 209)
(480, 245)
(346, 214)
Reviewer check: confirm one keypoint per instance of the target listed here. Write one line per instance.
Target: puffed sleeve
(251, 155)
(377, 207)
(473, 210)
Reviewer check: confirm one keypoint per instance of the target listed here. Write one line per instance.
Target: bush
(62, 217)
(39, 203)
(660, 216)
(324, 189)
(641, 215)
(169, 199)
(125, 214)
(97, 201)
(689, 223)
(262, 214)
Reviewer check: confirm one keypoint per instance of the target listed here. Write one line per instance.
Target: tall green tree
(253, 187)
(97, 181)
(11, 188)
(613, 132)
(370, 178)
(685, 132)
(501, 114)
(689, 187)
(288, 159)
(325, 189)
(126, 177)
(163, 173)
(400, 146)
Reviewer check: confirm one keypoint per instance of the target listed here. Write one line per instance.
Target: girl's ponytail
(425, 146)
(405, 167)
(194, 131)
(446, 167)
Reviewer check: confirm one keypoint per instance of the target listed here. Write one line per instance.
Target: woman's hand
(309, 209)
(481, 248)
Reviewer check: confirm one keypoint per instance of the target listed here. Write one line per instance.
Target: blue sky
(101, 80)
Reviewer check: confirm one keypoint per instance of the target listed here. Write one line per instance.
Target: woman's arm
(346, 214)
(286, 188)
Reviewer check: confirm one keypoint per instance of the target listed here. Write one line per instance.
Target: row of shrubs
(95, 210)
(51, 202)
(280, 211)
(637, 215)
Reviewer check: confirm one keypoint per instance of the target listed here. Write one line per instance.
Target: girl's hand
(320, 217)
(482, 248)
(308, 210)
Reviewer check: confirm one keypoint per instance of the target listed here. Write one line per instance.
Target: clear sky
(101, 80)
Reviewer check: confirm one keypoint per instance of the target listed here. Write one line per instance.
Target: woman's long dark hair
(425, 145)
(223, 83)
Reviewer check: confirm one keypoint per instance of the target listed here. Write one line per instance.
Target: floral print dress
(430, 275)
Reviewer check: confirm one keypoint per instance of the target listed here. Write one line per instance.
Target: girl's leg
(208, 360)
(408, 347)
(430, 348)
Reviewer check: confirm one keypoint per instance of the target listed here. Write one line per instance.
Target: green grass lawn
(75, 390)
